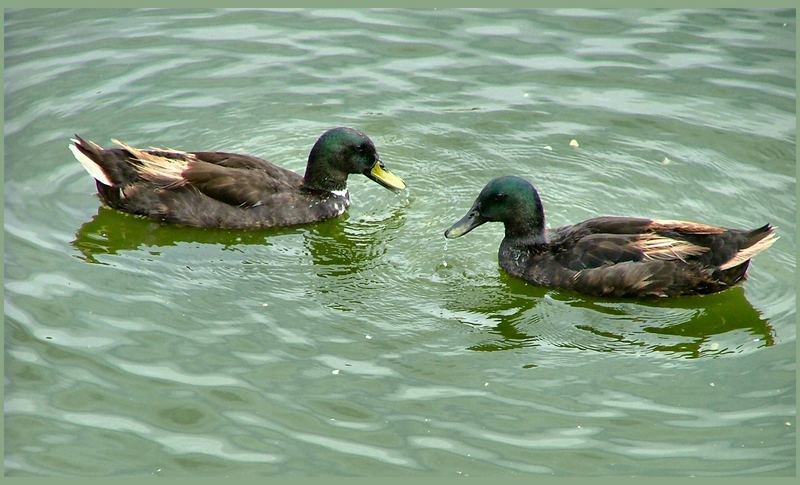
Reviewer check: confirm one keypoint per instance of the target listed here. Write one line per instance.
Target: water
(368, 345)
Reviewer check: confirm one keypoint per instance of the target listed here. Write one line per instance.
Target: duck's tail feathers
(86, 152)
(757, 241)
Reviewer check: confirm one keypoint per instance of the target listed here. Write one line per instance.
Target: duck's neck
(320, 179)
(327, 183)
(523, 240)
(527, 227)
(321, 173)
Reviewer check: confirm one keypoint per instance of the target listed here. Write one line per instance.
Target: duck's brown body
(612, 256)
(229, 190)
(213, 189)
(633, 257)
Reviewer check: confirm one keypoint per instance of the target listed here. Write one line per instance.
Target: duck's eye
(499, 197)
(362, 148)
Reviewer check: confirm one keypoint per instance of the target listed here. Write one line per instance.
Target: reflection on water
(518, 315)
(342, 247)
(342, 250)
(111, 231)
(350, 257)
(707, 325)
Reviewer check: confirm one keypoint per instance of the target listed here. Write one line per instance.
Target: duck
(231, 190)
(609, 256)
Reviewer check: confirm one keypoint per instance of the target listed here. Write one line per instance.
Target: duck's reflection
(111, 231)
(343, 250)
(338, 247)
(693, 326)
(521, 315)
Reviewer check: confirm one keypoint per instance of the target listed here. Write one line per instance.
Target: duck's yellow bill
(386, 178)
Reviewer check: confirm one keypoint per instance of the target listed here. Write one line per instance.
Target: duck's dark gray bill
(463, 226)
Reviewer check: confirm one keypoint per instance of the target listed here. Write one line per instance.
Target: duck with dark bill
(611, 256)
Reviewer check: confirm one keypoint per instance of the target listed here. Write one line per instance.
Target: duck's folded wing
(601, 250)
(234, 160)
(237, 186)
(635, 225)
(238, 180)
(634, 265)
(651, 278)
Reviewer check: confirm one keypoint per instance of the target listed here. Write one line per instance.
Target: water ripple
(369, 344)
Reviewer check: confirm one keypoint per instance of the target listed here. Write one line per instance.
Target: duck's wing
(236, 160)
(634, 225)
(637, 265)
(634, 239)
(237, 180)
(665, 258)
(229, 160)
(645, 279)
(239, 186)
(604, 249)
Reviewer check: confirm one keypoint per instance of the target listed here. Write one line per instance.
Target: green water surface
(368, 344)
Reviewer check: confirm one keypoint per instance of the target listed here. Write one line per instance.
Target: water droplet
(335, 372)
(574, 143)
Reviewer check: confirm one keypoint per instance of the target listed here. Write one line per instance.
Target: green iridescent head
(342, 151)
(511, 200)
